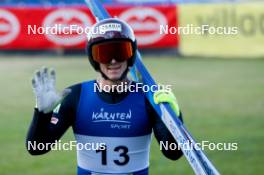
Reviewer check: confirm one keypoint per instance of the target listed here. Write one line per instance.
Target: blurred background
(218, 79)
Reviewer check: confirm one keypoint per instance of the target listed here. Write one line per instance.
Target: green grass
(222, 101)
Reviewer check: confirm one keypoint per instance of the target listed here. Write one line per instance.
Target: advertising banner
(230, 30)
(54, 27)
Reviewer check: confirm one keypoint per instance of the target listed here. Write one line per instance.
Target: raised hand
(47, 97)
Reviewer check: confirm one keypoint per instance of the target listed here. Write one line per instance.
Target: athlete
(122, 121)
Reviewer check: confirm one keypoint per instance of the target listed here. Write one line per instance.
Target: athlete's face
(114, 69)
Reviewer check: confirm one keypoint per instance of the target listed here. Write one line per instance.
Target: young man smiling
(123, 121)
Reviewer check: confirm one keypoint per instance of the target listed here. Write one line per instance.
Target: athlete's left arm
(161, 132)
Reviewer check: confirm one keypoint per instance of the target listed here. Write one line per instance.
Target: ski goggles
(105, 52)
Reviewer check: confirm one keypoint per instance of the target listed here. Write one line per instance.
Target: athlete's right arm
(47, 126)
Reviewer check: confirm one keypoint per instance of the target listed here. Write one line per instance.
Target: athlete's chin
(114, 77)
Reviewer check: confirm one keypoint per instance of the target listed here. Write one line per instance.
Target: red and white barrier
(24, 28)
